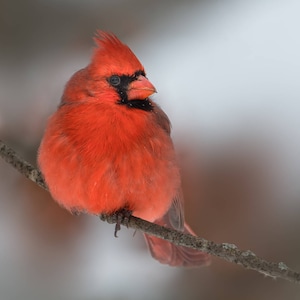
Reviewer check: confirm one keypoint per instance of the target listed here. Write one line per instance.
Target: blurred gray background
(227, 74)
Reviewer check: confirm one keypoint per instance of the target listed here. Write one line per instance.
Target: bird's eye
(114, 80)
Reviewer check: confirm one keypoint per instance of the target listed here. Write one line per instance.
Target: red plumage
(108, 147)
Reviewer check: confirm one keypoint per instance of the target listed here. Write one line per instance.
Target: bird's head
(117, 72)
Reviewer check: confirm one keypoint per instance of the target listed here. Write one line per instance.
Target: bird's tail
(170, 254)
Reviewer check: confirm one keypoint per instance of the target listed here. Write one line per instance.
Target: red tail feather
(179, 256)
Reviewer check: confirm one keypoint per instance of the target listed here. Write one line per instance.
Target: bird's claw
(122, 216)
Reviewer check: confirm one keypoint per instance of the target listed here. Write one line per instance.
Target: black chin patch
(121, 82)
(144, 104)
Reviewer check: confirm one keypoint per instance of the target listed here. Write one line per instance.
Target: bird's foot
(123, 216)
(119, 217)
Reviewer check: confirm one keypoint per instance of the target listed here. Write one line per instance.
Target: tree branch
(226, 251)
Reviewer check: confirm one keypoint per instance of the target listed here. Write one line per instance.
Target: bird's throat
(144, 104)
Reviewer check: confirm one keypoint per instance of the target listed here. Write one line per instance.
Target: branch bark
(228, 252)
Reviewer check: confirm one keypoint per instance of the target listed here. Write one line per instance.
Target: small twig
(24, 167)
(228, 252)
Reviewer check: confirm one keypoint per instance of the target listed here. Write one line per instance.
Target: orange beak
(140, 89)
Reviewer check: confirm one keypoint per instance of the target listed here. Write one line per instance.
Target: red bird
(107, 149)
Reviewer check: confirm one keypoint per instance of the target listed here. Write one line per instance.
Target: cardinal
(107, 149)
